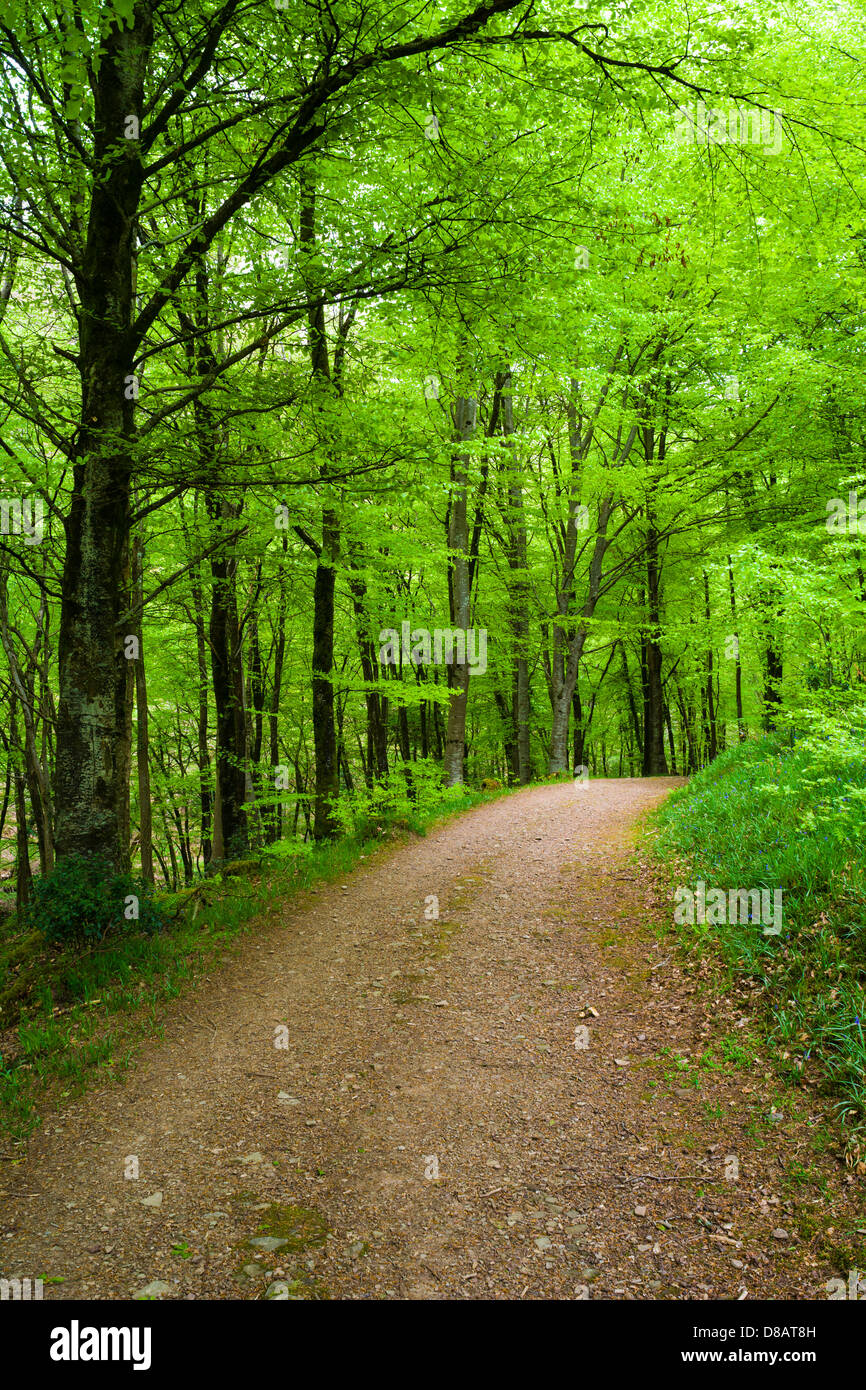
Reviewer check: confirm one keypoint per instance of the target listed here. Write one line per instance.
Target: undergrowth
(767, 815)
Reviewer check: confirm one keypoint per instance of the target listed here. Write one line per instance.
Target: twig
(653, 1177)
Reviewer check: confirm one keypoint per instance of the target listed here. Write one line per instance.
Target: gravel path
(400, 1105)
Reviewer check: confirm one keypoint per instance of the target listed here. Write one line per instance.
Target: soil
(472, 1070)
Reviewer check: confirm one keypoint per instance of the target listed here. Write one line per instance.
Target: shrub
(85, 899)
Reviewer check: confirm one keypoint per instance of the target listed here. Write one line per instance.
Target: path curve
(513, 1047)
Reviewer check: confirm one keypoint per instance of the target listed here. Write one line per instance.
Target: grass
(768, 816)
(71, 1015)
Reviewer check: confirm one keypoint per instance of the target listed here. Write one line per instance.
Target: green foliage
(769, 815)
(410, 798)
(84, 900)
(258, 445)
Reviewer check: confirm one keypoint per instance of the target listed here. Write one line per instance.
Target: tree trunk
(228, 687)
(738, 666)
(465, 414)
(506, 713)
(569, 638)
(24, 687)
(274, 822)
(324, 388)
(23, 873)
(578, 736)
(204, 775)
(519, 593)
(558, 758)
(654, 762)
(324, 727)
(375, 702)
(670, 728)
(712, 730)
(91, 761)
(142, 749)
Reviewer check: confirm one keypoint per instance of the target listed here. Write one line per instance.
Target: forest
(319, 320)
(403, 407)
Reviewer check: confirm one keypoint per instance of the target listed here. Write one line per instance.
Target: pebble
(154, 1289)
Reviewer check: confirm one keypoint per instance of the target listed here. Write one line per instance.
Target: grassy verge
(765, 816)
(71, 1016)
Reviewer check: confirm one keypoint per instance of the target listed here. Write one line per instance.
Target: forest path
(414, 1043)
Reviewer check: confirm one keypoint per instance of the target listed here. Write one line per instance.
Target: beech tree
(317, 320)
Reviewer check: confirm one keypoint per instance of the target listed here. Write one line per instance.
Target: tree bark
(274, 822)
(558, 758)
(142, 749)
(464, 418)
(519, 594)
(204, 764)
(738, 666)
(375, 702)
(23, 872)
(91, 763)
(36, 779)
(712, 728)
(654, 761)
(228, 687)
(325, 387)
(569, 637)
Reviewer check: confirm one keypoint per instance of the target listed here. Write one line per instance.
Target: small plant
(777, 816)
(85, 899)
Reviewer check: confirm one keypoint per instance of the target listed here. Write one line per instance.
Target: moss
(841, 1254)
(300, 1227)
(305, 1287)
(405, 996)
(439, 939)
(682, 1139)
(466, 887)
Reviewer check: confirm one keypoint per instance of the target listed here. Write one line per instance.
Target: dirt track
(417, 1046)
